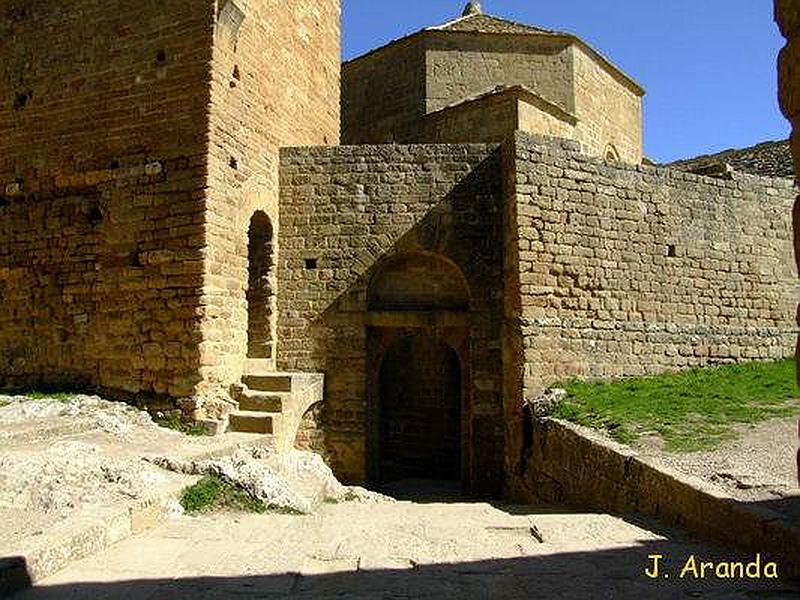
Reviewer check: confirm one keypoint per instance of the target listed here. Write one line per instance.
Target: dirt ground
(757, 467)
(401, 550)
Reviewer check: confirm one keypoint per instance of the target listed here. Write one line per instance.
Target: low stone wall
(572, 465)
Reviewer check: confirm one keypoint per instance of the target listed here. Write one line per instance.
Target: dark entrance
(420, 410)
(260, 287)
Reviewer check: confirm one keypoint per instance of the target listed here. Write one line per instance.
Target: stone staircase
(274, 403)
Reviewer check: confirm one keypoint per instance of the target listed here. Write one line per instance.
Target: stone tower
(131, 168)
(480, 78)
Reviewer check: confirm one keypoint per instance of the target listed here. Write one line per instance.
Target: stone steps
(274, 403)
(260, 366)
(246, 421)
(261, 402)
(254, 401)
(273, 382)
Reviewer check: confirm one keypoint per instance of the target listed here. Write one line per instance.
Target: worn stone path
(393, 551)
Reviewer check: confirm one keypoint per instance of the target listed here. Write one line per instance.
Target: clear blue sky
(708, 65)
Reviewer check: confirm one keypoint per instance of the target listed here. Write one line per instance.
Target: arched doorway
(420, 400)
(418, 372)
(260, 287)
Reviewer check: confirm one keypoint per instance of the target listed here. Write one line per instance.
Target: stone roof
(769, 159)
(481, 23)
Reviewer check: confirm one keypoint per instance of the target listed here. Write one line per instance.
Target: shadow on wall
(614, 573)
(455, 236)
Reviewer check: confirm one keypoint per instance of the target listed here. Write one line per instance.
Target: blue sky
(708, 65)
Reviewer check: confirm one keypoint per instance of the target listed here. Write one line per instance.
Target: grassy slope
(692, 410)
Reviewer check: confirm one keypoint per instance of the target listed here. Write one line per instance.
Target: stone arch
(260, 289)
(420, 410)
(611, 154)
(418, 281)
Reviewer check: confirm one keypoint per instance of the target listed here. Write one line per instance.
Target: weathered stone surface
(129, 177)
(547, 402)
(414, 214)
(626, 271)
(296, 481)
(787, 15)
(610, 270)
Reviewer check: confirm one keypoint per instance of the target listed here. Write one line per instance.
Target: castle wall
(462, 65)
(275, 82)
(350, 208)
(627, 271)
(383, 95)
(102, 177)
(609, 112)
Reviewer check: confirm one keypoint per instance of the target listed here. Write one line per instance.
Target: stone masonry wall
(628, 271)
(491, 119)
(462, 65)
(383, 95)
(609, 112)
(343, 210)
(102, 175)
(275, 82)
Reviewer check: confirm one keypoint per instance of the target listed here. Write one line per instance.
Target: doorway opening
(260, 293)
(420, 405)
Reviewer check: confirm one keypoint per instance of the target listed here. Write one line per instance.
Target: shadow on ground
(614, 573)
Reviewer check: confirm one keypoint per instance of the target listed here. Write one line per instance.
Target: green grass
(692, 410)
(214, 493)
(175, 423)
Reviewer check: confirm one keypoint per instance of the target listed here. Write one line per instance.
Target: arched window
(260, 293)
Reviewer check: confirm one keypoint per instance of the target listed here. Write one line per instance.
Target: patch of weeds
(174, 422)
(214, 493)
(691, 410)
(56, 396)
(348, 496)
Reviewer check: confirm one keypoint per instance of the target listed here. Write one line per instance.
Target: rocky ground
(65, 463)
(59, 459)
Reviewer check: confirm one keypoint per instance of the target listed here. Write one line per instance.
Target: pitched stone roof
(769, 159)
(481, 23)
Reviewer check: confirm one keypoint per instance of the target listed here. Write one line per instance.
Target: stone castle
(178, 225)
